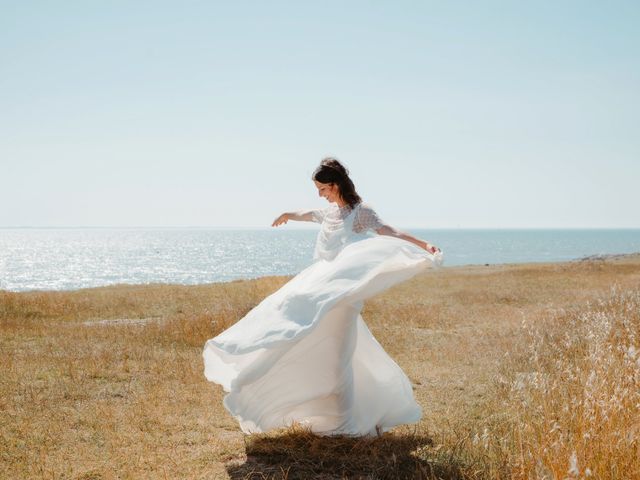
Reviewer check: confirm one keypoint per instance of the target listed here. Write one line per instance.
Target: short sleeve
(367, 219)
(317, 215)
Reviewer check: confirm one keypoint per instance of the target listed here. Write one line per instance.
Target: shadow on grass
(303, 455)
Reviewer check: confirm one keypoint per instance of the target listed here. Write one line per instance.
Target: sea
(74, 258)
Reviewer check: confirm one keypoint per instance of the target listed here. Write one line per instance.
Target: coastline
(609, 257)
(70, 259)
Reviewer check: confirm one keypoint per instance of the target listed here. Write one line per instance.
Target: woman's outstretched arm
(389, 230)
(305, 216)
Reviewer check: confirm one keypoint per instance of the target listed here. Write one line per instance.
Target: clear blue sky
(448, 114)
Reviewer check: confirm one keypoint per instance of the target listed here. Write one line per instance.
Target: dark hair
(331, 170)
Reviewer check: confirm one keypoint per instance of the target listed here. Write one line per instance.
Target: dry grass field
(523, 371)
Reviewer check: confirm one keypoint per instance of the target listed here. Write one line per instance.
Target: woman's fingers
(280, 220)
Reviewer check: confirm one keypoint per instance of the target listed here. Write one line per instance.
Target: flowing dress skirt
(304, 354)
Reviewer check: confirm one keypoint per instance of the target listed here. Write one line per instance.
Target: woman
(304, 354)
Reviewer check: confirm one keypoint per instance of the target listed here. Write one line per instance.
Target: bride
(304, 354)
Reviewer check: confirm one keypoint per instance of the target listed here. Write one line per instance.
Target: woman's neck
(341, 202)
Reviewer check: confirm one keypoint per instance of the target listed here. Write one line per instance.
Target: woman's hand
(430, 248)
(284, 218)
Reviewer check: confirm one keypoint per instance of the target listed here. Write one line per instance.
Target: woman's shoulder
(367, 218)
(318, 214)
(365, 207)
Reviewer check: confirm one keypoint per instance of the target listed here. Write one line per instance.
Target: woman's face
(328, 191)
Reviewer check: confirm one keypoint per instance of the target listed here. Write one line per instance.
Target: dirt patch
(108, 322)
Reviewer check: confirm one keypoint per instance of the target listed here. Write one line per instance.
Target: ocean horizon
(66, 258)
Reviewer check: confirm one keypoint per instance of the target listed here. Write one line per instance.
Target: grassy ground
(523, 371)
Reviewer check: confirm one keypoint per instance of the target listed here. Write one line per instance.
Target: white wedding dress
(304, 354)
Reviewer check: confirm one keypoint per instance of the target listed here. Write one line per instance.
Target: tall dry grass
(571, 394)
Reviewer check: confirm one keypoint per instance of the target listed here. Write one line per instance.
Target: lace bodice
(365, 217)
(343, 225)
